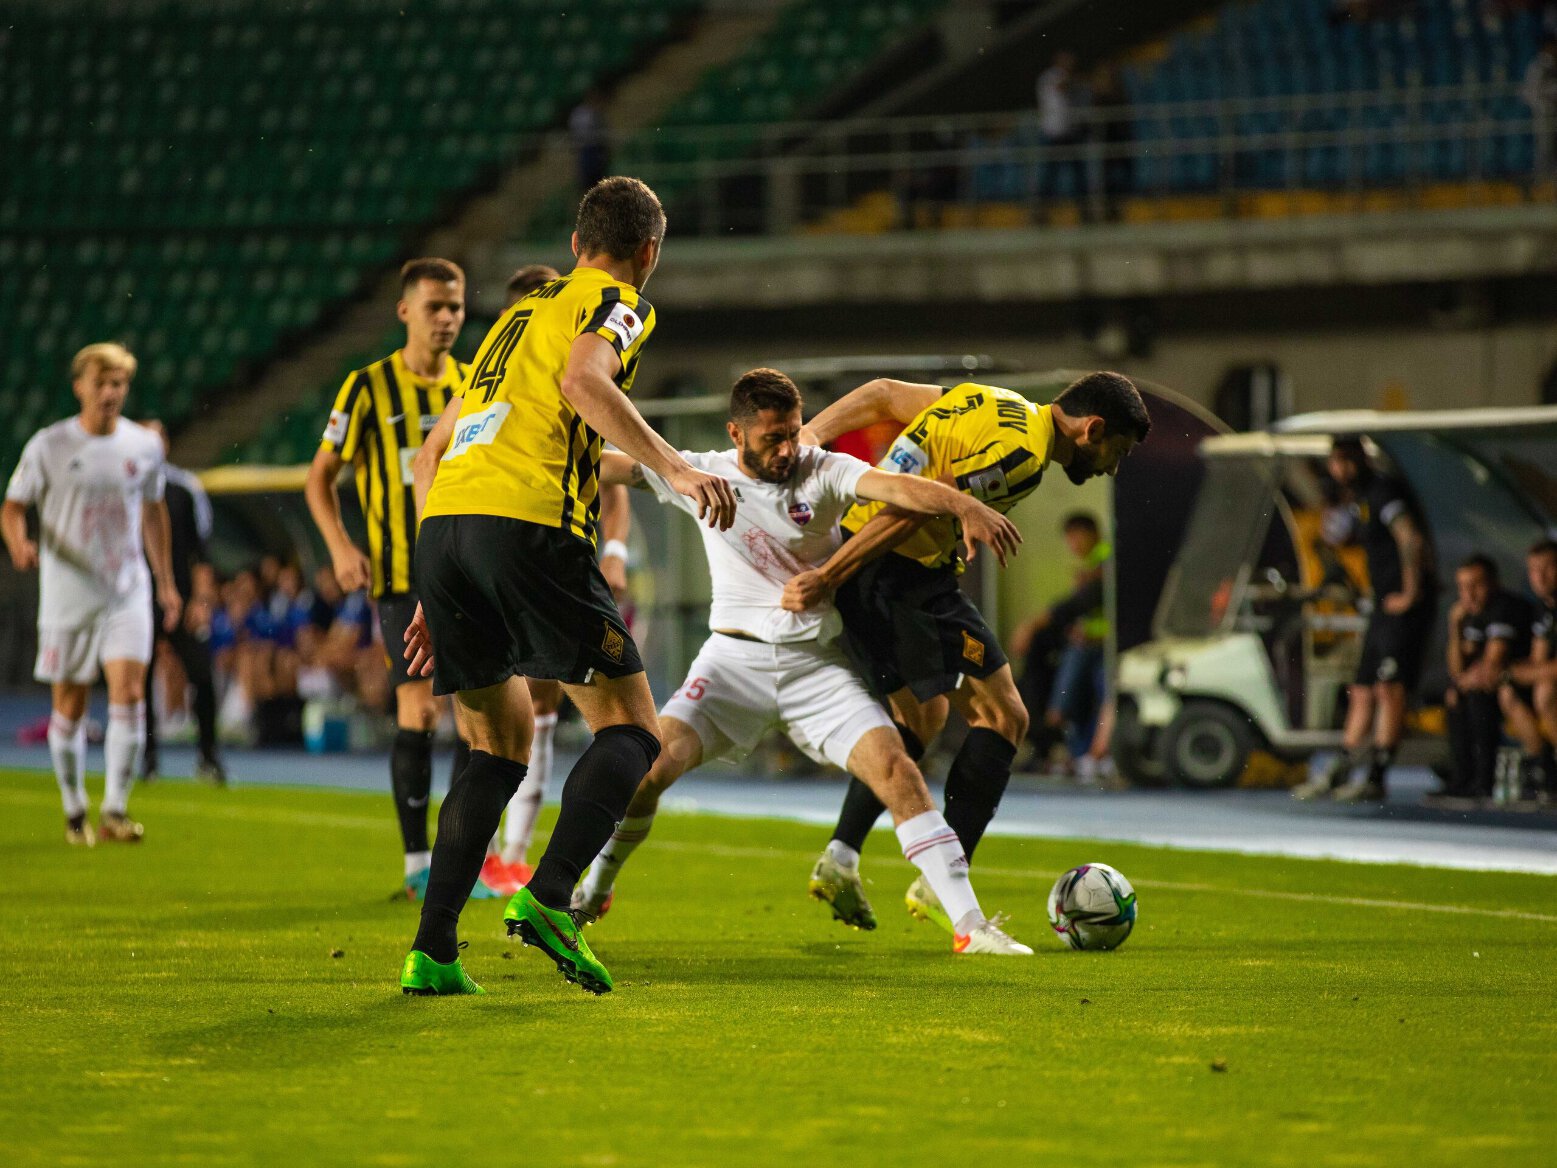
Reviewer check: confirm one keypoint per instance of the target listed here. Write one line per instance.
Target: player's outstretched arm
(157, 531)
(881, 534)
(352, 570)
(980, 523)
(13, 525)
(881, 400)
(589, 383)
(424, 467)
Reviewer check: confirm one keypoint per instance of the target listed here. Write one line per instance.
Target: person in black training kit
(1489, 629)
(1405, 598)
(189, 513)
(1528, 694)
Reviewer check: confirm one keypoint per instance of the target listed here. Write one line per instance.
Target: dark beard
(1079, 470)
(762, 473)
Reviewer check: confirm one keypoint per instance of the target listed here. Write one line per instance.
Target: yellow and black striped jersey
(520, 449)
(990, 443)
(380, 417)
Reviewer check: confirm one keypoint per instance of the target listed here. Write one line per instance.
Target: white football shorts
(121, 632)
(736, 691)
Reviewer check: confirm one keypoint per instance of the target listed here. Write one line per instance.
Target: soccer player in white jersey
(97, 481)
(764, 667)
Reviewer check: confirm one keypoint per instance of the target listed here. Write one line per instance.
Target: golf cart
(1259, 627)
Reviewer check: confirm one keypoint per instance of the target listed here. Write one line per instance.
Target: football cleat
(1364, 790)
(924, 905)
(426, 978)
(495, 875)
(989, 938)
(1323, 784)
(79, 832)
(590, 909)
(843, 891)
(119, 828)
(556, 933)
(485, 891)
(415, 886)
(209, 770)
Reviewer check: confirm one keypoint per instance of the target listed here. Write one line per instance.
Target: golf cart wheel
(1137, 748)
(1207, 745)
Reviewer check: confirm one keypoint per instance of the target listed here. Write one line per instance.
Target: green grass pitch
(226, 993)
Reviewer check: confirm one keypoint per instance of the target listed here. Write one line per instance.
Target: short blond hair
(108, 354)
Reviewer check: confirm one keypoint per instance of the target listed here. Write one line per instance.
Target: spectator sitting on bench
(1528, 695)
(1488, 630)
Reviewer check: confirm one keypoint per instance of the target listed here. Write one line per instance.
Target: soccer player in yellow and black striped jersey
(510, 588)
(914, 632)
(377, 424)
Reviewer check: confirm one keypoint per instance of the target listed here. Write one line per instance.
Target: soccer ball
(1092, 907)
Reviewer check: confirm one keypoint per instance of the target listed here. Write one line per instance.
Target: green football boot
(556, 933)
(842, 890)
(425, 977)
(924, 905)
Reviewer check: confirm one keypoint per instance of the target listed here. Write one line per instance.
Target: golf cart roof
(1332, 422)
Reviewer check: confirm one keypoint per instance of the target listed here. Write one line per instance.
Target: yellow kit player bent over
(911, 629)
(510, 588)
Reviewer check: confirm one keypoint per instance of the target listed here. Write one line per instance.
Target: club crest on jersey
(613, 644)
(801, 513)
(972, 648)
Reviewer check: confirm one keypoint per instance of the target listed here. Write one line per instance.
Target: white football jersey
(89, 491)
(780, 530)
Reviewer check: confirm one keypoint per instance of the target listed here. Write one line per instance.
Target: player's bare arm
(424, 467)
(922, 496)
(1408, 538)
(616, 518)
(13, 526)
(352, 570)
(879, 536)
(589, 384)
(158, 534)
(881, 400)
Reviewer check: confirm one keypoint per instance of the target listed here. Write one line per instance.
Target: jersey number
(489, 374)
(695, 688)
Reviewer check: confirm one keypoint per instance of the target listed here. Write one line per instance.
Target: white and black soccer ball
(1092, 907)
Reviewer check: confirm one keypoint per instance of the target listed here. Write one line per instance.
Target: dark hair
(1079, 520)
(1112, 397)
(1351, 449)
(430, 268)
(1483, 562)
(530, 277)
(617, 216)
(1542, 547)
(762, 389)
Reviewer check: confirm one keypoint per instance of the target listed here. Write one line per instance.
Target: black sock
(861, 808)
(410, 776)
(975, 783)
(461, 760)
(594, 799)
(466, 822)
(1378, 765)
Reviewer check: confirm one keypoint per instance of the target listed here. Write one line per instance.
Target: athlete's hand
(25, 557)
(614, 569)
(352, 570)
(172, 605)
(418, 645)
(1398, 602)
(981, 524)
(807, 590)
(713, 495)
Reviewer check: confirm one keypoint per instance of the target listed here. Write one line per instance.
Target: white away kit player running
(764, 667)
(97, 480)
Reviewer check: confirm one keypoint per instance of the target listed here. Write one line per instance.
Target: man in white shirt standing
(97, 480)
(764, 667)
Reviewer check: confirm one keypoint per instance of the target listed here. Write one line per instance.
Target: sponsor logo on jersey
(479, 429)
(614, 644)
(905, 457)
(801, 513)
(335, 431)
(428, 422)
(625, 323)
(972, 648)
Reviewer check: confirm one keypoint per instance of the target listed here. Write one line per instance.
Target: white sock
(123, 745)
(933, 848)
(843, 855)
(67, 747)
(624, 841)
(525, 807)
(416, 861)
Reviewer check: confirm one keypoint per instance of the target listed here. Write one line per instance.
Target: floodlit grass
(227, 993)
